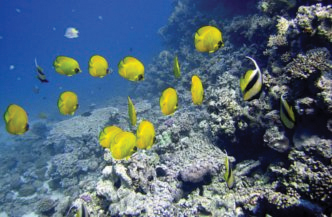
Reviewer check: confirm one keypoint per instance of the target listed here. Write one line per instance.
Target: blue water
(35, 29)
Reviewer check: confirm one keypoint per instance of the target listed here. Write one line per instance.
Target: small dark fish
(86, 114)
(40, 73)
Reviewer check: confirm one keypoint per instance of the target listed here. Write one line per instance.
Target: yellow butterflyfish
(168, 101)
(124, 145)
(208, 39)
(67, 103)
(107, 135)
(16, 120)
(131, 112)
(98, 66)
(66, 66)
(131, 68)
(145, 134)
(197, 90)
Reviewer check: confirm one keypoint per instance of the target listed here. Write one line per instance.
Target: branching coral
(283, 25)
(251, 27)
(315, 61)
(324, 83)
(316, 19)
(277, 40)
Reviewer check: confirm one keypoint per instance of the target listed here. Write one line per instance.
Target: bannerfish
(40, 73)
(287, 115)
(208, 39)
(16, 120)
(168, 101)
(145, 134)
(131, 68)
(177, 72)
(251, 82)
(98, 66)
(124, 145)
(229, 175)
(66, 66)
(67, 103)
(107, 135)
(197, 90)
(82, 211)
(131, 112)
(71, 32)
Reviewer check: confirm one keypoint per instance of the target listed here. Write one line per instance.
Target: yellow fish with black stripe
(131, 68)
(16, 120)
(146, 135)
(124, 145)
(197, 90)
(66, 66)
(68, 103)
(208, 39)
(251, 82)
(229, 175)
(287, 115)
(98, 66)
(177, 71)
(107, 135)
(168, 101)
(131, 112)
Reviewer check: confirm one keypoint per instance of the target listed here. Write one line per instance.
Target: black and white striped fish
(287, 115)
(82, 211)
(251, 82)
(229, 175)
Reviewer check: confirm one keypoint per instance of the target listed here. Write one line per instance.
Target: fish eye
(27, 127)
(154, 139)
(77, 105)
(107, 71)
(140, 77)
(135, 149)
(77, 70)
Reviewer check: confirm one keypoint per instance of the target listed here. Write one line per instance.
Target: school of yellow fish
(123, 144)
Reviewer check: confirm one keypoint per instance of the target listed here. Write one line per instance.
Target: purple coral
(87, 198)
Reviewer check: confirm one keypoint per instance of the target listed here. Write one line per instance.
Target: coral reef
(313, 64)
(278, 171)
(276, 139)
(277, 40)
(316, 19)
(275, 6)
(46, 206)
(309, 174)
